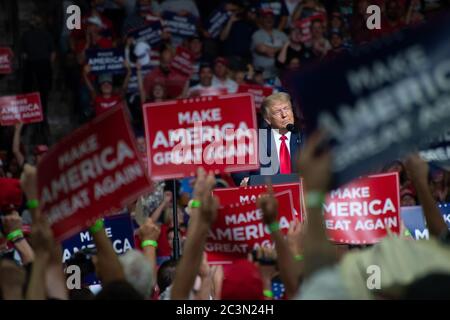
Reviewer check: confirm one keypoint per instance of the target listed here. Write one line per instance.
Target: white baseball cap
(142, 52)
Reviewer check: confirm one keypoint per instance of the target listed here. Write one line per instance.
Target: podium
(258, 180)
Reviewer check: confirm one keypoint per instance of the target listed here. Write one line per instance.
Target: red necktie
(285, 157)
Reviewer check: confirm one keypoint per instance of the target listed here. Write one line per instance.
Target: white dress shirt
(277, 136)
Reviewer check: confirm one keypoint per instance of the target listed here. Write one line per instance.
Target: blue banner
(216, 22)
(106, 60)
(150, 34)
(119, 228)
(381, 101)
(181, 26)
(414, 220)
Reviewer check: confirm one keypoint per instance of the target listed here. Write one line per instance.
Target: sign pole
(176, 240)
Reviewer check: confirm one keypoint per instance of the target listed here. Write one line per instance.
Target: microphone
(290, 127)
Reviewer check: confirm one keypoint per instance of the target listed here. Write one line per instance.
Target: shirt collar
(277, 135)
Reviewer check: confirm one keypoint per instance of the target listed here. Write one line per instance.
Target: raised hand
(269, 206)
(203, 188)
(149, 230)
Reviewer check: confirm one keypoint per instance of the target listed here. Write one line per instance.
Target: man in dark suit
(279, 141)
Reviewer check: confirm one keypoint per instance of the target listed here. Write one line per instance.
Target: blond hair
(272, 99)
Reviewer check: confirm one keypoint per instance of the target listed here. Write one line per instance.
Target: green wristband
(298, 257)
(149, 243)
(274, 227)
(14, 234)
(97, 226)
(194, 203)
(315, 199)
(268, 294)
(33, 204)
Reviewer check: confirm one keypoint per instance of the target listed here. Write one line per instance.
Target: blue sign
(181, 26)
(150, 34)
(216, 22)
(119, 228)
(106, 60)
(381, 101)
(414, 220)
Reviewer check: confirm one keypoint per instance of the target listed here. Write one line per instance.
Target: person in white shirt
(205, 87)
(221, 76)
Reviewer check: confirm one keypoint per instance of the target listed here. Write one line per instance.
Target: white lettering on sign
(359, 208)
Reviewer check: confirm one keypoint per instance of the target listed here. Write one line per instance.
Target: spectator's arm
(126, 81)
(28, 183)
(282, 55)
(297, 12)
(166, 201)
(286, 263)
(43, 243)
(417, 170)
(108, 264)
(13, 223)
(141, 83)
(149, 234)
(16, 144)
(201, 220)
(12, 280)
(206, 288)
(315, 166)
(283, 23)
(186, 92)
(55, 277)
(86, 71)
(226, 31)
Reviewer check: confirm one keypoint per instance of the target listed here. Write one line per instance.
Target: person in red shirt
(107, 98)
(174, 82)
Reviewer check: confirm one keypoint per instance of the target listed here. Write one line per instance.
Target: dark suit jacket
(268, 154)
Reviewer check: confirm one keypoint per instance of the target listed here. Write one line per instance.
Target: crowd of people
(261, 41)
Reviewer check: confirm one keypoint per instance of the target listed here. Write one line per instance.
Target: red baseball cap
(221, 60)
(242, 281)
(10, 194)
(40, 149)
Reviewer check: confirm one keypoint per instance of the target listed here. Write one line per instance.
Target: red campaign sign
(24, 108)
(216, 133)
(239, 229)
(305, 25)
(183, 61)
(258, 92)
(228, 196)
(363, 211)
(95, 171)
(6, 56)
